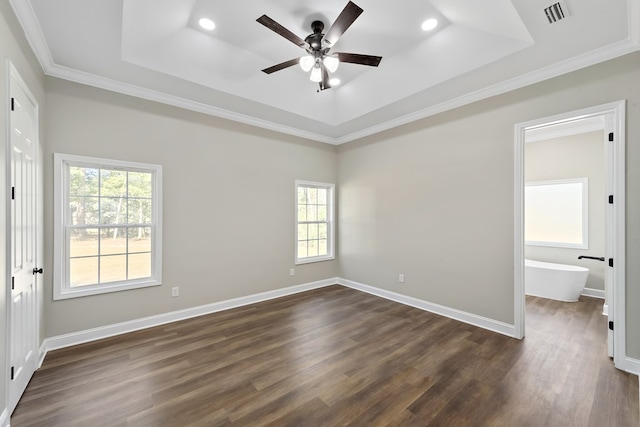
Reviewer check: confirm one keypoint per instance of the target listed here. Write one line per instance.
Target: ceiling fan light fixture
(317, 57)
(429, 24)
(307, 62)
(316, 74)
(331, 62)
(207, 24)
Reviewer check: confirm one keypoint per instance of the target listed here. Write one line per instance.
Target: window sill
(83, 291)
(311, 260)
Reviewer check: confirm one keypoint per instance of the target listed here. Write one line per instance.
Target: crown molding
(100, 82)
(573, 64)
(33, 32)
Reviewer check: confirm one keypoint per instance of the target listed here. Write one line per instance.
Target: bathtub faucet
(591, 257)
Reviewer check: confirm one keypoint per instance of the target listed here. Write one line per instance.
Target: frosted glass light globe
(307, 63)
(331, 62)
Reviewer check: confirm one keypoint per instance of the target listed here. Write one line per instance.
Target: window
(314, 222)
(108, 226)
(556, 213)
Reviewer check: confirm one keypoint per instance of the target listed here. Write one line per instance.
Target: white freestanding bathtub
(555, 281)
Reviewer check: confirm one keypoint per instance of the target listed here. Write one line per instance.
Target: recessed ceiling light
(334, 82)
(429, 24)
(207, 24)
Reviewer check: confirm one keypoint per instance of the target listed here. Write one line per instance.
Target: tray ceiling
(156, 50)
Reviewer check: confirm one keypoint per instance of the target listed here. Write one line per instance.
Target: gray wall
(575, 156)
(228, 201)
(434, 199)
(14, 47)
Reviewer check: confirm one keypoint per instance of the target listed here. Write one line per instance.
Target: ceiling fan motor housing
(315, 40)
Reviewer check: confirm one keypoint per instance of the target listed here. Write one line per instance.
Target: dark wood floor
(336, 356)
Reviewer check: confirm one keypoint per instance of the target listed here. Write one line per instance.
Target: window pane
(113, 268)
(140, 184)
(312, 196)
(302, 195)
(312, 213)
(139, 266)
(113, 183)
(302, 249)
(139, 239)
(83, 243)
(554, 213)
(139, 211)
(83, 271)
(82, 210)
(322, 231)
(313, 231)
(322, 213)
(322, 196)
(302, 213)
(322, 247)
(312, 248)
(113, 210)
(302, 232)
(113, 241)
(83, 181)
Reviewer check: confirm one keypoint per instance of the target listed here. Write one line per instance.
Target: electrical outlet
(401, 278)
(292, 272)
(175, 291)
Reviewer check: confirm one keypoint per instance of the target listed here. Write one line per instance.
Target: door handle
(600, 258)
(37, 270)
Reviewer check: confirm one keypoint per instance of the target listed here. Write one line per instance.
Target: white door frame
(617, 111)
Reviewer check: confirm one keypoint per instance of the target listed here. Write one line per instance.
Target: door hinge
(611, 199)
(611, 325)
(13, 193)
(610, 136)
(610, 262)
(13, 104)
(13, 283)
(13, 373)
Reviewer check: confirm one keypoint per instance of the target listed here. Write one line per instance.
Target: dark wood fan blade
(356, 58)
(281, 66)
(342, 23)
(277, 28)
(324, 83)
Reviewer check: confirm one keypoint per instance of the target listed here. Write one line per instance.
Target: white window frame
(61, 286)
(584, 182)
(330, 222)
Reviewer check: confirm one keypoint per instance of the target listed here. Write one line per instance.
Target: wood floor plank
(335, 356)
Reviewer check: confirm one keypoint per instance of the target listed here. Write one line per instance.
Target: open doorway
(608, 122)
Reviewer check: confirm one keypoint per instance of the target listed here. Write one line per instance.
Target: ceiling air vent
(557, 12)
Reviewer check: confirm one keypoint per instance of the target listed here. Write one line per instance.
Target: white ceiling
(154, 49)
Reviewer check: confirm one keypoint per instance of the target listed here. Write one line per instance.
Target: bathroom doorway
(605, 122)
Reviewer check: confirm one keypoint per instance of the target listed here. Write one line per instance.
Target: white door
(23, 307)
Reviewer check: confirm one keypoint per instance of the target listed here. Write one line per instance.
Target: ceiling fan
(318, 59)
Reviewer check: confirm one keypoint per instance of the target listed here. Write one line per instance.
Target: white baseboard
(633, 366)
(472, 319)
(80, 337)
(67, 340)
(593, 293)
(75, 338)
(4, 418)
